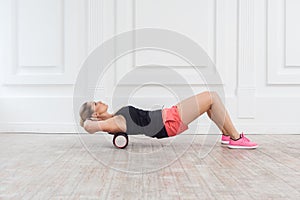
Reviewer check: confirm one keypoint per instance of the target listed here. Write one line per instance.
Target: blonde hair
(85, 112)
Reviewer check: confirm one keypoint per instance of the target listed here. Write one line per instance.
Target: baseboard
(17, 127)
(273, 115)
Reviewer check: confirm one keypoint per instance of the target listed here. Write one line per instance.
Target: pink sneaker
(242, 143)
(225, 139)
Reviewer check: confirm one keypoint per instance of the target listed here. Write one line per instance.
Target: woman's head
(92, 110)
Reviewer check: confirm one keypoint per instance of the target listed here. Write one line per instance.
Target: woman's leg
(192, 107)
(221, 128)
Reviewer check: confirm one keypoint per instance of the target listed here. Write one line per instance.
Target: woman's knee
(214, 95)
(211, 96)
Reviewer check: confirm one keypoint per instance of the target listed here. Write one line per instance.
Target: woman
(166, 122)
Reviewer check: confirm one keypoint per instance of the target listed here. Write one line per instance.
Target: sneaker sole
(224, 142)
(241, 147)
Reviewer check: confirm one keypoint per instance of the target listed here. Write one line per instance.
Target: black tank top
(138, 121)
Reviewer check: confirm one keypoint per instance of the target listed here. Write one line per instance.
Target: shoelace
(244, 138)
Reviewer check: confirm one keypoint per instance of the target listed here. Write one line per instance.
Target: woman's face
(99, 107)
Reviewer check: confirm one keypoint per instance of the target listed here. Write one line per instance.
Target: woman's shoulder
(117, 124)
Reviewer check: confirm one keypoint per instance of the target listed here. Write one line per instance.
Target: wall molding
(246, 87)
(95, 23)
(277, 71)
(124, 21)
(101, 19)
(212, 46)
(125, 18)
(72, 47)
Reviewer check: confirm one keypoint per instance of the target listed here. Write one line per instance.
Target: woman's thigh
(191, 108)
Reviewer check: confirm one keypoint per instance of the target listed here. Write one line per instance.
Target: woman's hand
(95, 119)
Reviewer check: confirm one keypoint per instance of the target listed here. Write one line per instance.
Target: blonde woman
(162, 123)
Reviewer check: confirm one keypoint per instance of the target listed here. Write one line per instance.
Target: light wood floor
(53, 166)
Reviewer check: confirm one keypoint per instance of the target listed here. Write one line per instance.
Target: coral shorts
(172, 121)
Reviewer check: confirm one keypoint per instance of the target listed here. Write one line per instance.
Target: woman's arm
(112, 125)
(92, 126)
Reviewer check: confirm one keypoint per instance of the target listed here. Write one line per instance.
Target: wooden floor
(53, 166)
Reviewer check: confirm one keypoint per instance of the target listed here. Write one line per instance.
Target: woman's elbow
(88, 127)
(90, 131)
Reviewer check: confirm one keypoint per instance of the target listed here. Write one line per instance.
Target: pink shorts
(172, 121)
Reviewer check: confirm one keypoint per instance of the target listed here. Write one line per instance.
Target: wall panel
(43, 44)
(47, 41)
(282, 40)
(254, 44)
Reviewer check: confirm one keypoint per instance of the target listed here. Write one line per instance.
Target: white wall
(254, 44)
